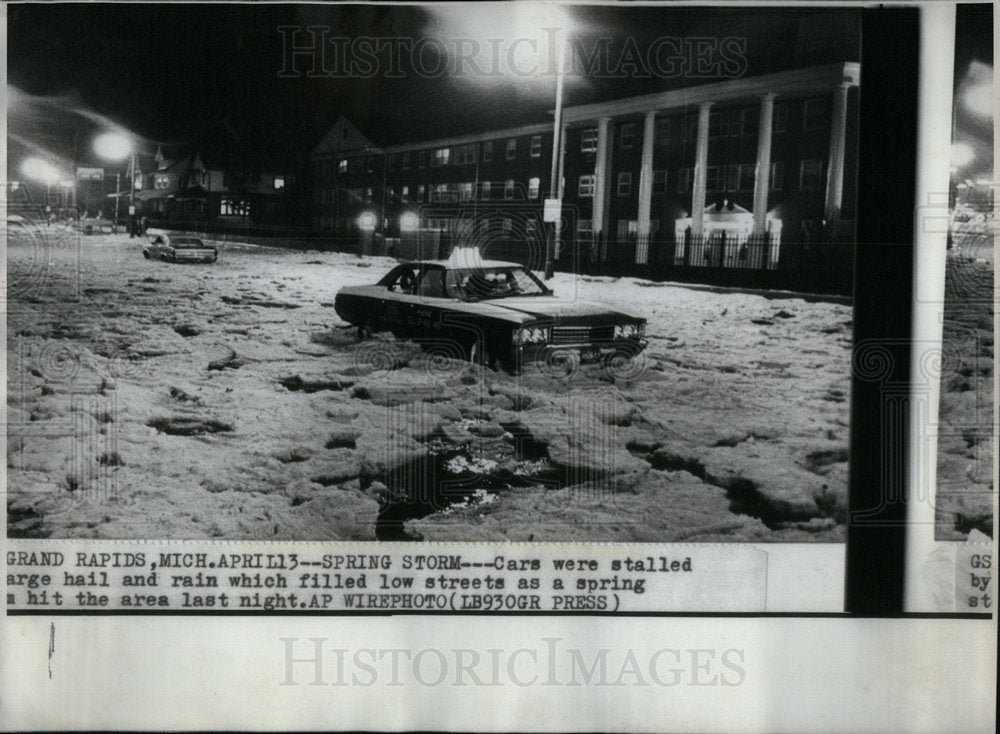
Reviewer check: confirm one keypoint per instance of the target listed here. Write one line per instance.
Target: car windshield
(493, 282)
(186, 242)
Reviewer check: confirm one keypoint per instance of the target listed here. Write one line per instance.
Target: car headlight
(531, 335)
(628, 331)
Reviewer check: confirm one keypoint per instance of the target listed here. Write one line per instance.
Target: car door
(397, 301)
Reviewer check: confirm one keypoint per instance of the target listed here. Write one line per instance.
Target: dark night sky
(209, 75)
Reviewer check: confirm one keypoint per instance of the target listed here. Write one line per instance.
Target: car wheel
(365, 331)
(622, 366)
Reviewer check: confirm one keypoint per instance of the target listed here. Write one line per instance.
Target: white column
(645, 188)
(602, 187)
(835, 167)
(700, 171)
(762, 181)
(600, 173)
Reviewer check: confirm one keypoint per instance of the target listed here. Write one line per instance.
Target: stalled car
(498, 314)
(179, 249)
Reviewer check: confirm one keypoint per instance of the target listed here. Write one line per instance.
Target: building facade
(741, 174)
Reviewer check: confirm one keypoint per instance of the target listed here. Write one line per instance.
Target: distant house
(186, 190)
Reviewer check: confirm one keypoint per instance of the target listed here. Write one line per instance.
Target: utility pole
(554, 177)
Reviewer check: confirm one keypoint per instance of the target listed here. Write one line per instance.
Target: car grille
(582, 334)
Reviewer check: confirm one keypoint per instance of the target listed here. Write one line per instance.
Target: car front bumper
(584, 352)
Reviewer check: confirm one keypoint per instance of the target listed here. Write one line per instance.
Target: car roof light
(465, 258)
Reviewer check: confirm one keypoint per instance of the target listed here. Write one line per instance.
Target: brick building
(754, 174)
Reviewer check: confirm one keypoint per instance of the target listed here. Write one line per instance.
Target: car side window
(404, 282)
(432, 283)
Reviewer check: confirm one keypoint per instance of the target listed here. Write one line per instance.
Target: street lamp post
(556, 174)
(115, 147)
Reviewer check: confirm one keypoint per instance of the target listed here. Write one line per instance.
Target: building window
(234, 208)
(732, 177)
(508, 225)
(442, 156)
(420, 192)
(534, 184)
(624, 183)
(751, 115)
(406, 161)
(368, 196)
(487, 151)
(748, 174)
(536, 146)
(780, 117)
(406, 193)
(423, 159)
(466, 154)
(531, 228)
(628, 135)
(660, 181)
(442, 192)
(777, 175)
(815, 114)
(684, 176)
(279, 182)
(342, 166)
(511, 149)
(586, 186)
(508, 189)
(486, 190)
(465, 190)
(588, 140)
(810, 174)
(371, 164)
(712, 179)
(390, 193)
(161, 182)
(662, 131)
(585, 229)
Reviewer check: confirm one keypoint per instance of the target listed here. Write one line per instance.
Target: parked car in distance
(179, 249)
(498, 314)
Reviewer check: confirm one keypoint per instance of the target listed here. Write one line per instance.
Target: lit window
(624, 183)
(586, 186)
(368, 196)
(536, 146)
(279, 182)
(810, 174)
(406, 193)
(628, 135)
(815, 114)
(442, 156)
(534, 184)
(508, 225)
(420, 192)
(342, 166)
(485, 190)
(508, 189)
(588, 140)
(161, 182)
(511, 149)
(466, 191)
(585, 228)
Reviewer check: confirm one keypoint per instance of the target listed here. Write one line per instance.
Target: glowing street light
(40, 170)
(408, 221)
(366, 221)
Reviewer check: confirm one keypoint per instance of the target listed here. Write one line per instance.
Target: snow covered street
(151, 400)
